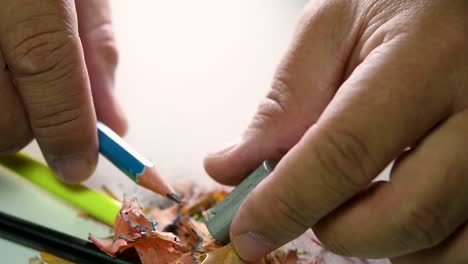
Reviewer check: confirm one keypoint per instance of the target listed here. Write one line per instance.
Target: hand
(362, 81)
(50, 74)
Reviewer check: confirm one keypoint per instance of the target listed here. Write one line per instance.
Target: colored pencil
(219, 217)
(135, 166)
(96, 204)
(45, 239)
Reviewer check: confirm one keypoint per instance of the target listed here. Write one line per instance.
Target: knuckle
(60, 118)
(267, 113)
(422, 227)
(276, 104)
(41, 51)
(346, 156)
(317, 13)
(270, 112)
(317, 9)
(290, 217)
(280, 90)
(109, 52)
(102, 41)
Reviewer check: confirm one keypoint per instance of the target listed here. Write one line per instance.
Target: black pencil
(45, 239)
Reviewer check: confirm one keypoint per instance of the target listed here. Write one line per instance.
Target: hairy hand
(364, 82)
(56, 57)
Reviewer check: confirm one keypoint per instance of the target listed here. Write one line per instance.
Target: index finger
(372, 118)
(41, 45)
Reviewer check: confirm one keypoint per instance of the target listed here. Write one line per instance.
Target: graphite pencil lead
(173, 197)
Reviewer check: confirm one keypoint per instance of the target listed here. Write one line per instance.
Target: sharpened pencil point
(173, 197)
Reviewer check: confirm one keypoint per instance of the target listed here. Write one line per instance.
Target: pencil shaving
(134, 230)
(178, 235)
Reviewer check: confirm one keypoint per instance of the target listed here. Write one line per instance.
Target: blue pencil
(135, 166)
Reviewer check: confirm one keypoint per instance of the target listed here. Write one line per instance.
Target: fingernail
(252, 247)
(72, 169)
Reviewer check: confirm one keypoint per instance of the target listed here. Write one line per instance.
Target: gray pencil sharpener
(219, 217)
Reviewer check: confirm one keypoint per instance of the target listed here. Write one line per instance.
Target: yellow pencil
(96, 204)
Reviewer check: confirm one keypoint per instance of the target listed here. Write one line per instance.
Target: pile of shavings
(177, 234)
